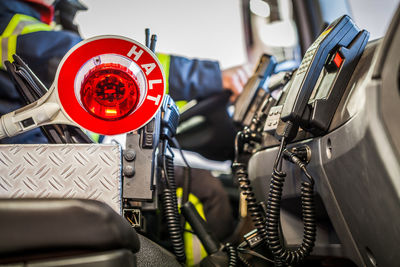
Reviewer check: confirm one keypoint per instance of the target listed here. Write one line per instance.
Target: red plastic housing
(92, 52)
(110, 91)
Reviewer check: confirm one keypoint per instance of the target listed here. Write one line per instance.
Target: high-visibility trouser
(194, 250)
(19, 25)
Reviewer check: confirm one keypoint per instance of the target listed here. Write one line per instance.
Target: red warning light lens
(110, 91)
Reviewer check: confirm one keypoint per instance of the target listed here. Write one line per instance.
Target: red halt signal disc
(127, 118)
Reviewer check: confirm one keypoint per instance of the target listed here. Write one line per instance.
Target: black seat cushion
(51, 225)
(151, 254)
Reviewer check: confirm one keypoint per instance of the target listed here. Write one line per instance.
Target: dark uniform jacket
(42, 48)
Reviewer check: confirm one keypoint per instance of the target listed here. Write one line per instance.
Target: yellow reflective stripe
(188, 240)
(188, 237)
(196, 248)
(36, 28)
(12, 47)
(1, 52)
(165, 61)
(6, 53)
(203, 252)
(195, 201)
(15, 20)
(19, 24)
(180, 104)
(94, 136)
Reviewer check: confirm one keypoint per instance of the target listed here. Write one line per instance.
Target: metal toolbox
(89, 171)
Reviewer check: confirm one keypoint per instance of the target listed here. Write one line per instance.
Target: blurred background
(231, 31)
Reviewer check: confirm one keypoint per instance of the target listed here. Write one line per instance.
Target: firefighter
(27, 29)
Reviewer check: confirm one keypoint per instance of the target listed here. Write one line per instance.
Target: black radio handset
(338, 34)
(253, 90)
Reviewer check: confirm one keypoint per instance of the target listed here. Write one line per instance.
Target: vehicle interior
(307, 156)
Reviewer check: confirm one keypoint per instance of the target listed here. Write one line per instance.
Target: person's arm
(191, 78)
(234, 79)
(43, 51)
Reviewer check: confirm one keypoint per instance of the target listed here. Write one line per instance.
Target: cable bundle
(280, 253)
(252, 205)
(171, 213)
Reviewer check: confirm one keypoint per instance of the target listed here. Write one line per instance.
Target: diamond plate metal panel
(89, 171)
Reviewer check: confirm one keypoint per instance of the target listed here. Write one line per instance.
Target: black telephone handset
(316, 89)
(338, 34)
